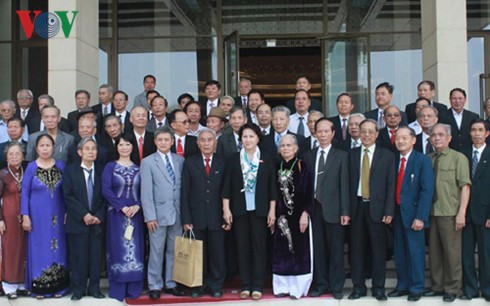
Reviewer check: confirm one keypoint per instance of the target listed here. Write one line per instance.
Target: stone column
(74, 60)
(444, 45)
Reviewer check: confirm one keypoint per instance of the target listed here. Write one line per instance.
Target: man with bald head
(25, 111)
(393, 118)
(428, 117)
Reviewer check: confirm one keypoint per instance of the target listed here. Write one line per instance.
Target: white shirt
(480, 152)
(355, 143)
(370, 157)
(458, 118)
(312, 142)
(294, 124)
(280, 134)
(254, 118)
(162, 122)
(192, 133)
(267, 129)
(416, 127)
(85, 173)
(138, 137)
(109, 108)
(317, 160)
(121, 115)
(406, 160)
(208, 105)
(162, 155)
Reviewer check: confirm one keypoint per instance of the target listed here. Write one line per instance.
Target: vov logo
(46, 24)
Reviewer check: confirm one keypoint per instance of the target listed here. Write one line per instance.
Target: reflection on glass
(103, 67)
(6, 75)
(6, 20)
(476, 66)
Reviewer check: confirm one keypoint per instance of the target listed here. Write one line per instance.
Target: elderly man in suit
(158, 106)
(82, 100)
(459, 119)
(477, 229)
(184, 144)
(120, 102)
(384, 95)
(386, 138)
(201, 209)
(303, 82)
(37, 124)
(85, 214)
(331, 210)
(143, 138)
(448, 214)
(25, 111)
(62, 141)
(230, 143)
(413, 196)
(425, 89)
(372, 195)
(7, 111)
(15, 129)
(161, 177)
(244, 87)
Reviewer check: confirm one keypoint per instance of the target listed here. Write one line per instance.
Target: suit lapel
(453, 120)
(81, 177)
(161, 165)
(482, 164)
(408, 168)
(376, 157)
(199, 163)
(330, 160)
(232, 142)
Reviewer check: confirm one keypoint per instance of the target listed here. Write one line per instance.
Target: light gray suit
(62, 144)
(160, 198)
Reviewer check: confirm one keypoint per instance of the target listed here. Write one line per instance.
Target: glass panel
(104, 52)
(373, 16)
(105, 18)
(6, 75)
(231, 64)
(255, 17)
(476, 66)
(165, 18)
(346, 70)
(6, 20)
(35, 70)
(478, 14)
(179, 65)
(397, 59)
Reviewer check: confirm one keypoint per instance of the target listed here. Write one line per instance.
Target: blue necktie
(239, 146)
(278, 140)
(301, 127)
(169, 169)
(474, 163)
(90, 188)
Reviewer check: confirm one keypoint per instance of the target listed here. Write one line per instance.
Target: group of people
(269, 190)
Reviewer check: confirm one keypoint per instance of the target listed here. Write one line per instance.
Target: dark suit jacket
(63, 125)
(33, 114)
(190, 146)
(73, 121)
(384, 140)
(333, 182)
(419, 145)
(100, 116)
(149, 146)
(3, 158)
(227, 145)
(417, 189)
(103, 154)
(265, 187)
(238, 101)
(382, 183)
(315, 105)
(340, 143)
(410, 110)
(268, 145)
(204, 115)
(373, 114)
(200, 202)
(460, 137)
(76, 201)
(479, 207)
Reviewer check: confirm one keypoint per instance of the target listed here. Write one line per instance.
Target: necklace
(286, 185)
(287, 172)
(18, 180)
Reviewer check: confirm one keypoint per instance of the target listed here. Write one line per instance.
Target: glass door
(232, 63)
(346, 65)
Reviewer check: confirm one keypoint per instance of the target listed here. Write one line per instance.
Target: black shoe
(338, 295)
(23, 292)
(467, 297)
(175, 291)
(97, 295)
(12, 296)
(318, 292)
(414, 297)
(216, 294)
(431, 293)
(398, 293)
(76, 297)
(154, 294)
(380, 296)
(487, 298)
(281, 295)
(356, 295)
(449, 297)
(196, 293)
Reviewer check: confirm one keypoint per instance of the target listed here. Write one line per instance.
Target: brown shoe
(245, 294)
(256, 295)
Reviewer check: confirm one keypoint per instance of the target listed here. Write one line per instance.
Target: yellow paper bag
(188, 261)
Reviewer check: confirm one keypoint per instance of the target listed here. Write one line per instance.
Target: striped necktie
(170, 171)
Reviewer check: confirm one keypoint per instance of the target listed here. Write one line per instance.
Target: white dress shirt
(294, 123)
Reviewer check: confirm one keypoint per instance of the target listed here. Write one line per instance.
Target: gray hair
(289, 136)
(315, 112)
(108, 87)
(436, 112)
(110, 117)
(228, 98)
(10, 103)
(281, 108)
(84, 141)
(359, 115)
(14, 144)
(204, 130)
(164, 130)
(47, 97)
(446, 127)
(372, 121)
(25, 90)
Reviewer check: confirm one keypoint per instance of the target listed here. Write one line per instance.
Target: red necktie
(180, 150)
(208, 167)
(399, 181)
(392, 138)
(140, 147)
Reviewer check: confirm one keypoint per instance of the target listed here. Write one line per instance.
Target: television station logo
(46, 24)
